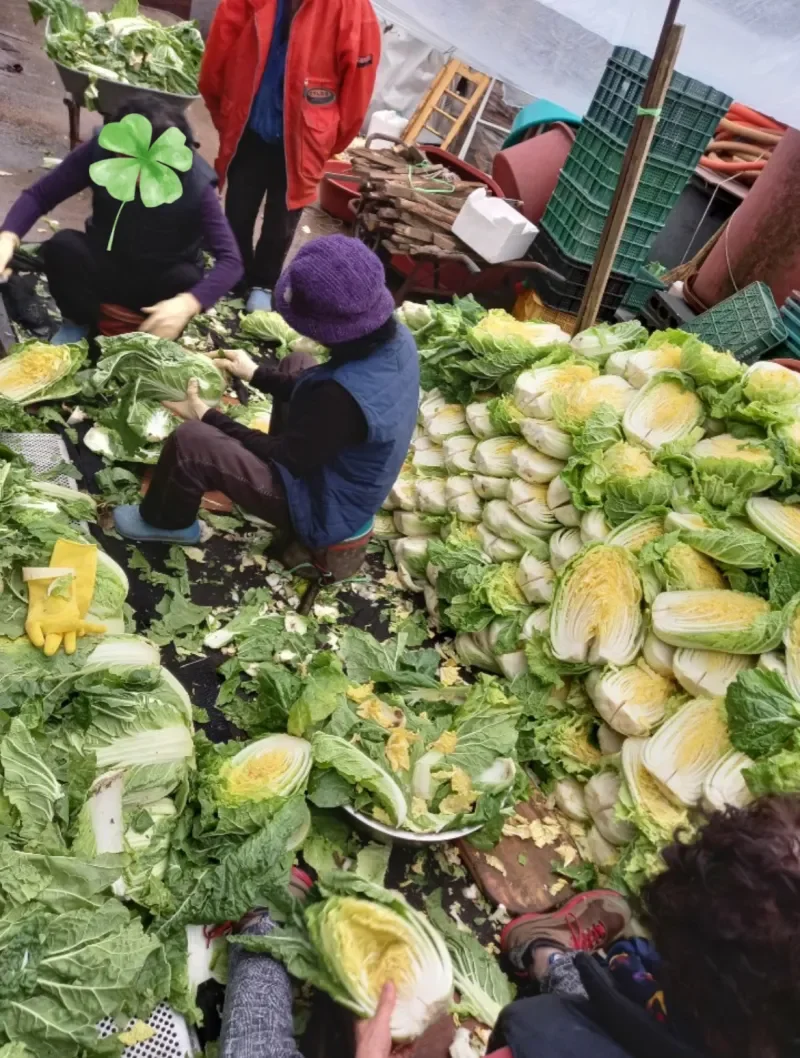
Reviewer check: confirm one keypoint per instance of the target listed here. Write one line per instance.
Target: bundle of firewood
(407, 204)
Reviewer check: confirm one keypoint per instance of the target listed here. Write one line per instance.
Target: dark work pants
(259, 169)
(199, 458)
(83, 277)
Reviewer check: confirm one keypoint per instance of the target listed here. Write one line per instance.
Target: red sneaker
(588, 922)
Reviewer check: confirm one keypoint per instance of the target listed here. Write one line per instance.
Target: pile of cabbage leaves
(614, 527)
(122, 45)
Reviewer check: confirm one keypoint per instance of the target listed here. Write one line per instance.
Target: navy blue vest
(337, 499)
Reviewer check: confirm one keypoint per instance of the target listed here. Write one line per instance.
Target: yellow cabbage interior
(372, 944)
(260, 775)
(697, 570)
(628, 461)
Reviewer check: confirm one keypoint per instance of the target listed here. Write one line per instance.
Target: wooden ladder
(444, 88)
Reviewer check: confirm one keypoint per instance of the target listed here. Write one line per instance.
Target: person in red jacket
(287, 84)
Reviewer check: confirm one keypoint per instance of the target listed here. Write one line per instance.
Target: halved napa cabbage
(708, 672)
(632, 700)
(493, 456)
(403, 494)
(771, 383)
(447, 421)
(602, 796)
(626, 480)
(725, 785)
(490, 488)
(428, 459)
(676, 520)
(480, 421)
(431, 496)
(461, 498)
(503, 520)
(458, 454)
(564, 544)
(536, 579)
(536, 623)
(643, 797)
(727, 468)
(772, 661)
(789, 435)
(779, 521)
(730, 621)
(573, 405)
(569, 798)
(708, 366)
(609, 741)
(687, 748)
(275, 766)
(642, 364)
(533, 466)
(791, 642)
(430, 403)
(596, 613)
(636, 532)
(658, 655)
(534, 388)
(530, 503)
(546, 437)
(594, 527)
(665, 410)
(559, 500)
(496, 547)
(684, 569)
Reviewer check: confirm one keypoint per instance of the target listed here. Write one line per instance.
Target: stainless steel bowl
(407, 837)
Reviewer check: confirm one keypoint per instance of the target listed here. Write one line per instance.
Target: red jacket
(334, 48)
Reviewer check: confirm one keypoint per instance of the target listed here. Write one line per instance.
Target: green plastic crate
(640, 290)
(790, 314)
(689, 117)
(748, 324)
(595, 162)
(576, 224)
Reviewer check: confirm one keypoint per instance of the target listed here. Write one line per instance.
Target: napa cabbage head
(664, 411)
(726, 470)
(573, 405)
(731, 621)
(708, 366)
(770, 383)
(778, 521)
(156, 369)
(684, 750)
(644, 801)
(596, 613)
(599, 342)
(534, 389)
(623, 479)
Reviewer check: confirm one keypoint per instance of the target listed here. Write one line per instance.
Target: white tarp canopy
(557, 49)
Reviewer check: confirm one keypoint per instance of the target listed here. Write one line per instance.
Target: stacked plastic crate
(790, 313)
(576, 213)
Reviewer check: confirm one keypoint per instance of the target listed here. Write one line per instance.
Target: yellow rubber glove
(82, 559)
(53, 616)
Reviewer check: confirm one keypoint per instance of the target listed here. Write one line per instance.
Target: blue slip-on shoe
(259, 300)
(132, 526)
(69, 332)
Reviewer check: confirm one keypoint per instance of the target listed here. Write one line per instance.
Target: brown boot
(588, 922)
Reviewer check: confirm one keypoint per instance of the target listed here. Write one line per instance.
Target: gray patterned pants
(563, 977)
(257, 1019)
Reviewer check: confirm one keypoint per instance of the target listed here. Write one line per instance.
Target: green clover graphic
(147, 166)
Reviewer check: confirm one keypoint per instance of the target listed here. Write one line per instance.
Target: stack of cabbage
(618, 534)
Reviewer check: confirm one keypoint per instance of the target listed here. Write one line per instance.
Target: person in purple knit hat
(340, 431)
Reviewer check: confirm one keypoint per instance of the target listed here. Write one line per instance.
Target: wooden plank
(517, 872)
(632, 167)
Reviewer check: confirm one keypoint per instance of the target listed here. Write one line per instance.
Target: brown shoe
(588, 922)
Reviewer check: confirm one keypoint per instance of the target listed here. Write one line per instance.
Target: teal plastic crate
(595, 162)
(640, 290)
(576, 224)
(748, 324)
(790, 314)
(689, 116)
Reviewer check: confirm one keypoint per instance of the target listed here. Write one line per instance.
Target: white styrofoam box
(493, 228)
(390, 123)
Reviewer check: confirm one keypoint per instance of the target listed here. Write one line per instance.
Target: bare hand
(374, 1036)
(191, 408)
(166, 319)
(236, 362)
(8, 244)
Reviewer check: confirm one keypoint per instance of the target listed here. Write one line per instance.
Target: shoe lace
(586, 939)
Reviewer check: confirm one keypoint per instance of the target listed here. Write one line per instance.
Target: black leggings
(259, 169)
(83, 277)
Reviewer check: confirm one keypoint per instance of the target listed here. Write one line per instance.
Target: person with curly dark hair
(720, 979)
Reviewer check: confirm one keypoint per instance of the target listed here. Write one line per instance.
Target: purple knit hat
(334, 291)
